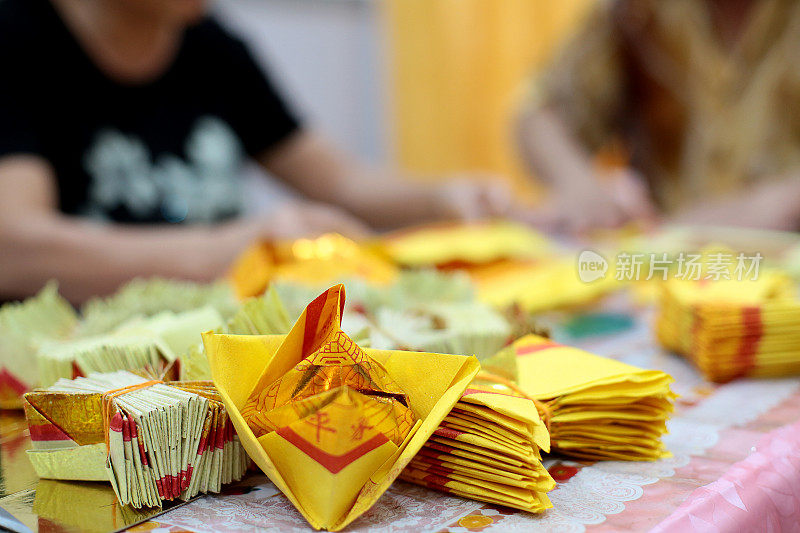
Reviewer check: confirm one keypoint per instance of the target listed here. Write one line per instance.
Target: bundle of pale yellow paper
(733, 328)
(23, 328)
(330, 423)
(141, 343)
(147, 324)
(488, 448)
(599, 408)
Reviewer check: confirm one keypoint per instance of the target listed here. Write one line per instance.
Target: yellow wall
(457, 67)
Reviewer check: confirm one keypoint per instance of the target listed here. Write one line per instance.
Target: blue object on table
(9, 523)
(597, 324)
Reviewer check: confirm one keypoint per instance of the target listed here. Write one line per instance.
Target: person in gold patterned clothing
(693, 102)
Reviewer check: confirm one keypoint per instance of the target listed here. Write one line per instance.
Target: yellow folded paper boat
(331, 424)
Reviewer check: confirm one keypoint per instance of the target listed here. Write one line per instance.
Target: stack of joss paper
(421, 310)
(733, 328)
(488, 448)
(23, 328)
(147, 297)
(144, 343)
(509, 263)
(599, 408)
(147, 324)
(153, 440)
(332, 424)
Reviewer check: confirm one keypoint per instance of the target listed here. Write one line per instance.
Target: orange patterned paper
(337, 365)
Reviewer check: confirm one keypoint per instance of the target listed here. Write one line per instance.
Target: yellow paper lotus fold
(24, 327)
(331, 424)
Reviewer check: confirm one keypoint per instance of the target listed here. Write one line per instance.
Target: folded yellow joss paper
(537, 285)
(330, 423)
(508, 263)
(146, 297)
(600, 408)
(141, 343)
(488, 449)
(152, 440)
(261, 315)
(733, 328)
(143, 325)
(312, 261)
(477, 243)
(24, 327)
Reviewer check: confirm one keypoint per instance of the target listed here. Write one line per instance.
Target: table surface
(713, 436)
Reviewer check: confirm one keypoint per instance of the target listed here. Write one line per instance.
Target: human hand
(307, 219)
(470, 198)
(771, 205)
(608, 201)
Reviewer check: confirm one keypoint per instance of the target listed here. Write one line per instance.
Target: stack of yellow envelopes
(488, 449)
(732, 328)
(600, 408)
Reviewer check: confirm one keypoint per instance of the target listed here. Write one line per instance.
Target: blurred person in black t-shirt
(123, 127)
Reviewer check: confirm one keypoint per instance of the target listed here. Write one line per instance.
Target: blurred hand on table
(471, 197)
(771, 205)
(610, 200)
(306, 219)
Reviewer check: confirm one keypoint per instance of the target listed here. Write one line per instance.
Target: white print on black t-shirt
(201, 188)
